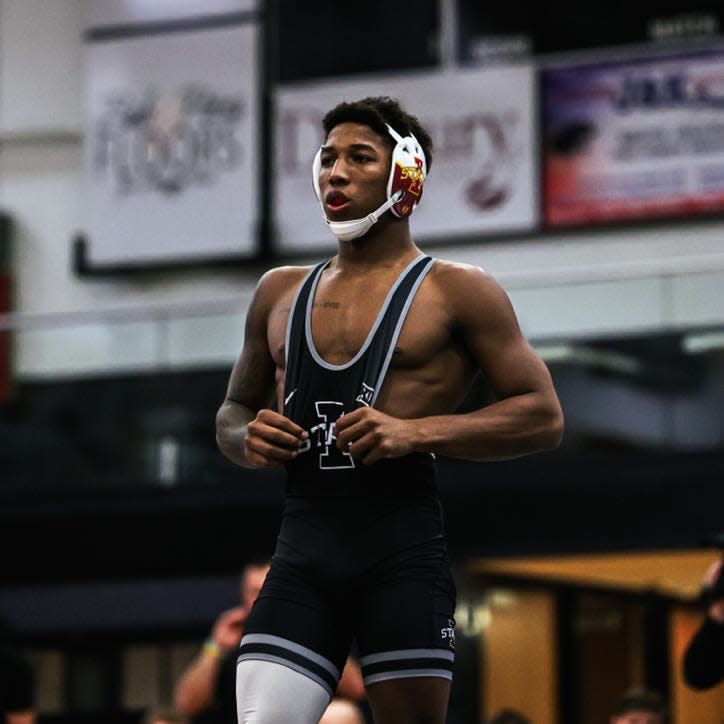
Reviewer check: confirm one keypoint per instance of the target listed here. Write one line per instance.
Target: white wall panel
(579, 310)
(698, 299)
(209, 340)
(87, 349)
(40, 66)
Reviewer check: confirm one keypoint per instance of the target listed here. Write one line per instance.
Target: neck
(388, 243)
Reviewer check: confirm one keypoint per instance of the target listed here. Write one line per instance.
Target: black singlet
(361, 553)
(317, 393)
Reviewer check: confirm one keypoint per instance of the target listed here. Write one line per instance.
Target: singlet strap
(397, 313)
(295, 327)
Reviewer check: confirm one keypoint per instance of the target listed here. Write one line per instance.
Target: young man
(367, 358)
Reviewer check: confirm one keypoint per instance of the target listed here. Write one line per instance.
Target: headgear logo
(409, 180)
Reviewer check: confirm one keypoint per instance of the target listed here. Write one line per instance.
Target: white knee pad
(270, 693)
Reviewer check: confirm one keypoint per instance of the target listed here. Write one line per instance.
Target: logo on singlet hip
(448, 633)
(323, 439)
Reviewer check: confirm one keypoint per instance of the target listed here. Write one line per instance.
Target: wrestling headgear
(404, 187)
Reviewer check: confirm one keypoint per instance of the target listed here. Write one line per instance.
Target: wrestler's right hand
(272, 439)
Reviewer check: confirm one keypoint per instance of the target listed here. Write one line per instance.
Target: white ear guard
(404, 186)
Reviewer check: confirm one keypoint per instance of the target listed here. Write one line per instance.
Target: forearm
(196, 688)
(231, 421)
(507, 429)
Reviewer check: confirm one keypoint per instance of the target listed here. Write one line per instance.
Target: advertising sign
(633, 139)
(483, 178)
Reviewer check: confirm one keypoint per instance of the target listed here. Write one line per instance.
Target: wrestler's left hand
(370, 435)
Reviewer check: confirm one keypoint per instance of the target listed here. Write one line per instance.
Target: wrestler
(367, 356)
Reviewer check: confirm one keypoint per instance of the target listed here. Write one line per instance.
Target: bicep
(493, 336)
(251, 382)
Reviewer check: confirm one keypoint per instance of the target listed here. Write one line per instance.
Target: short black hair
(641, 700)
(375, 112)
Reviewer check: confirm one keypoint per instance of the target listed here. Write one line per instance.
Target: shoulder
(465, 283)
(473, 299)
(279, 283)
(283, 277)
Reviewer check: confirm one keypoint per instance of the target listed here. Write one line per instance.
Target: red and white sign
(635, 138)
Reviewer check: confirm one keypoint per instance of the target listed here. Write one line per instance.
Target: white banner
(484, 172)
(171, 163)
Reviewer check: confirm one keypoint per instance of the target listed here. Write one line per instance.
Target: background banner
(171, 162)
(634, 139)
(484, 175)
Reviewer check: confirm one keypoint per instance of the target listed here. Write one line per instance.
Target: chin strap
(353, 229)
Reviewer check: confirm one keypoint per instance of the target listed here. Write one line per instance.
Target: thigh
(422, 700)
(406, 628)
(270, 693)
(297, 624)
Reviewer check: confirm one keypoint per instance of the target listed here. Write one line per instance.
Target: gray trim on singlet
(407, 654)
(407, 674)
(377, 386)
(288, 334)
(308, 319)
(290, 665)
(318, 659)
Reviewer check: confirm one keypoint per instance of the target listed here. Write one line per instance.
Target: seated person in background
(206, 689)
(508, 716)
(703, 663)
(640, 706)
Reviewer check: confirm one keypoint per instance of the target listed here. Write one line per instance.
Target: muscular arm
(526, 417)
(247, 431)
